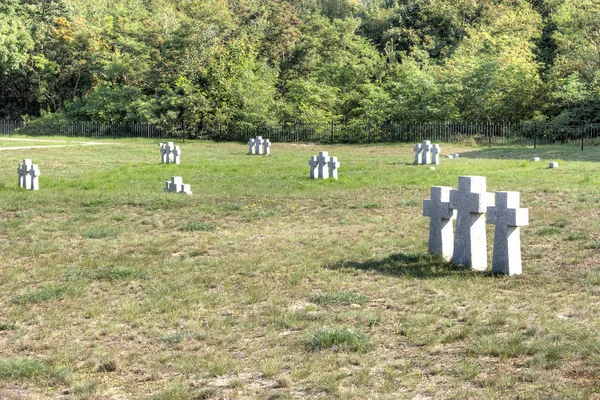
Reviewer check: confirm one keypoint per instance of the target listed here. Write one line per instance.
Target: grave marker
(29, 174)
(418, 149)
(471, 202)
(322, 158)
(437, 208)
(426, 153)
(435, 154)
(553, 165)
(176, 185)
(170, 154)
(508, 217)
(333, 166)
(313, 167)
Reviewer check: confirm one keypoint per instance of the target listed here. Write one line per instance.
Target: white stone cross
(426, 154)
(176, 185)
(435, 154)
(322, 158)
(258, 143)
(28, 175)
(176, 155)
(471, 202)
(251, 146)
(170, 154)
(313, 167)
(267, 147)
(437, 208)
(418, 149)
(333, 166)
(508, 217)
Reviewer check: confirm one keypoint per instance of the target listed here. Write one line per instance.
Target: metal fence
(490, 134)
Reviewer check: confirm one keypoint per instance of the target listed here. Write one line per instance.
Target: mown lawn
(266, 284)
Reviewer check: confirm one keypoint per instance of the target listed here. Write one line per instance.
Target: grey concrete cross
(471, 202)
(508, 217)
(437, 208)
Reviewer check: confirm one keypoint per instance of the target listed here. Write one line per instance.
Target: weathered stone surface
(553, 165)
(535, 159)
(441, 235)
(508, 217)
(471, 202)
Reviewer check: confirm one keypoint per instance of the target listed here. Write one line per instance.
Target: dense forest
(268, 61)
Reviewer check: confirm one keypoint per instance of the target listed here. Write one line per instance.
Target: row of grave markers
(468, 205)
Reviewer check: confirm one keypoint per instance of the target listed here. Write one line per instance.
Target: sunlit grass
(266, 284)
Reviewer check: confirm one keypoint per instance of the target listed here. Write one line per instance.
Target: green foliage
(200, 63)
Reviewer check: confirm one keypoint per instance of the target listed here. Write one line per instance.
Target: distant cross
(323, 167)
(176, 155)
(267, 147)
(251, 146)
(437, 208)
(258, 143)
(418, 149)
(333, 166)
(435, 154)
(176, 185)
(471, 202)
(508, 218)
(28, 175)
(313, 167)
(426, 153)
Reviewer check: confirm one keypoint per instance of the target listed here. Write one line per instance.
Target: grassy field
(265, 284)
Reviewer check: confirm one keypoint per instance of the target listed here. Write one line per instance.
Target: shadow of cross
(508, 217)
(441, 234)
(471, 202)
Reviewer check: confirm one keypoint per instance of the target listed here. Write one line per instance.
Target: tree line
(206, 62)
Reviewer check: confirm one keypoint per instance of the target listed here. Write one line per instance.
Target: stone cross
(426, 154)
(258, 143)
(333, 166)
(471, 202)
(323, 167)
(437, 208)
(267, 147)
(251, 146)
(170, 154)
(313, 167)
(435, 154)
(418, 149)
(508, 218)
(28, 175)
(176, 185)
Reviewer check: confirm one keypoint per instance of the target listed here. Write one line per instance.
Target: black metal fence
(490, 134)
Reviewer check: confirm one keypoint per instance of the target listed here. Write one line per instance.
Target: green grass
(113, 289)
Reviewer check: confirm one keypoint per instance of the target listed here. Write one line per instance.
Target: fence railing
(496, 133)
